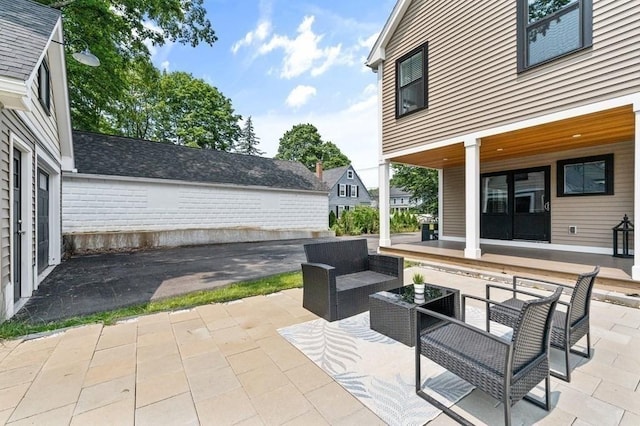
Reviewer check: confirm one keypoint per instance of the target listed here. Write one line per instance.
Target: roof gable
(332, 176)
(120, 156)
(377, 54)
(25, 30)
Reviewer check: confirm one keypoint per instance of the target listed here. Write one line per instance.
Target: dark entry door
(531, 216)
(515, 205)
(43, 220)
(17, 225)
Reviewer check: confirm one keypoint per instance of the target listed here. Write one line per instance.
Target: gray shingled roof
(397, 192)
(25, 28)
(119, 156)
(331, 176)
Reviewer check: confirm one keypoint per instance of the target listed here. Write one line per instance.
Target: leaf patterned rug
(378, 370)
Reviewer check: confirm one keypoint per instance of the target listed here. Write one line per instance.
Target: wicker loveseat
(339, 276)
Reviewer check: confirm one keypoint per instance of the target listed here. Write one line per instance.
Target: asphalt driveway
(89, 284)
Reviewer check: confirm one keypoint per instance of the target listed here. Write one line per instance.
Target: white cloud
(300, 96)
(164, 66)
(353, 129)
(259, 34)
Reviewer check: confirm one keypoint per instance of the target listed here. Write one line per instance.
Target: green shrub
(403, 221)
(332, 219)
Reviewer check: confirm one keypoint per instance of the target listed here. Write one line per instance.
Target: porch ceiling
(604, 127)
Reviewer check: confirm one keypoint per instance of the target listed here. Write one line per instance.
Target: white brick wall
(106, 204)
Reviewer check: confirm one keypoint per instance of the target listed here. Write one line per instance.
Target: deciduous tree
(421, 183)
(118, 32)
(303, 143)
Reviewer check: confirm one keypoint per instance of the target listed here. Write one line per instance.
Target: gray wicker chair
(340, 275)
(568, 327)
(506, 370)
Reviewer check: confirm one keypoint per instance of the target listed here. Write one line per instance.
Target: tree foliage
(248, 141)
(117, 32)
(191, 112)
(303, 143)
(421, 183)
(174, 107)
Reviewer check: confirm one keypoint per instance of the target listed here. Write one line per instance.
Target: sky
(288, 62)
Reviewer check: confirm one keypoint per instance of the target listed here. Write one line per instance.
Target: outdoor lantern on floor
(625, 228)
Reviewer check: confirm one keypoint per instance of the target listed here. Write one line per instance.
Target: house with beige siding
(529, 110)
(35, 146)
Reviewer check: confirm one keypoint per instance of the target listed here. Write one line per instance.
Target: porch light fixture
(500, 149)
(577, 135)
(85, 57)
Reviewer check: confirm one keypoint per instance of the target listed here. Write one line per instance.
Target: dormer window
(44, 89)
(411, 82)
(550, 29)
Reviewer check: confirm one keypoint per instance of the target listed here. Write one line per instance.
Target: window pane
(539, 9)
(585, 178)
(495, 194)
(411, 69)
(553, 37)
(411, 97)
(529, 192)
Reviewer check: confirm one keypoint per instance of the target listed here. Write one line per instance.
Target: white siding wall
(92, 204)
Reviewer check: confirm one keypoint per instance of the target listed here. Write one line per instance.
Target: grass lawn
(11, 329)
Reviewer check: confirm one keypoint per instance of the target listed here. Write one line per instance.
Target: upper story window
(342, 190)
(548, 29)
(44, 89)
(354, 191)
(411, 81)
(586, 176)
(349, 174)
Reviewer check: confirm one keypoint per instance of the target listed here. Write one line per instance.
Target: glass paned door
(515, 205)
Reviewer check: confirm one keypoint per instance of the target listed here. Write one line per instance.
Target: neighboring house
(128, 193)
(346, 190)
(400, 200)
(529, 110)
(35, 145)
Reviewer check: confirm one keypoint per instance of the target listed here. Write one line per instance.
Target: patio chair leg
(507, 410)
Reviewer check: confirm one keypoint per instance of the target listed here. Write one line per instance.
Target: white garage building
(131, 193)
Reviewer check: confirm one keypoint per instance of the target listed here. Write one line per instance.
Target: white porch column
(635, 270)
(383, 203)
(472, 197)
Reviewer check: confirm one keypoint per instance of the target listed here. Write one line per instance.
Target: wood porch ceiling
(604, 127)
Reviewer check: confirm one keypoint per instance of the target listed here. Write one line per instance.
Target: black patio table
(392, 312)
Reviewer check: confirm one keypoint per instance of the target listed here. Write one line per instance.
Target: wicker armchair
(568, 326)
(340, 275)
(506, 370)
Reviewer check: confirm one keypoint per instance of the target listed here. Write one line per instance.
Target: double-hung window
(342, 190)
(354, 191)
(411, 81)
(548, 29)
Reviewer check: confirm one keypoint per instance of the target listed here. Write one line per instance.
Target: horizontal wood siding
(594, 216)
(473, 82)
(453, 214)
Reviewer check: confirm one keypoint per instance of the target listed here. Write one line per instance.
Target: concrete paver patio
(226, 364)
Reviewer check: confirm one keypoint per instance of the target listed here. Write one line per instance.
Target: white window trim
(342, 190)
(354, 191)
(350, 174)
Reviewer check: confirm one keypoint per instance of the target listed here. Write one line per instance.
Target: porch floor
(615, 272)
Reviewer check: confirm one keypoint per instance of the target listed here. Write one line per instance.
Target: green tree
(248, 142)
(116, 32)
(303, 143)
(136, 112)
(421, 183)
(191, 112)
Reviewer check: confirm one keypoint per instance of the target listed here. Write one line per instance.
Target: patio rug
(378, 370)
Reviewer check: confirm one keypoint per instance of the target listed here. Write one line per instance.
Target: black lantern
(625, 228)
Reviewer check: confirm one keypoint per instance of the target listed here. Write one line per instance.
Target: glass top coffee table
(392, 312)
